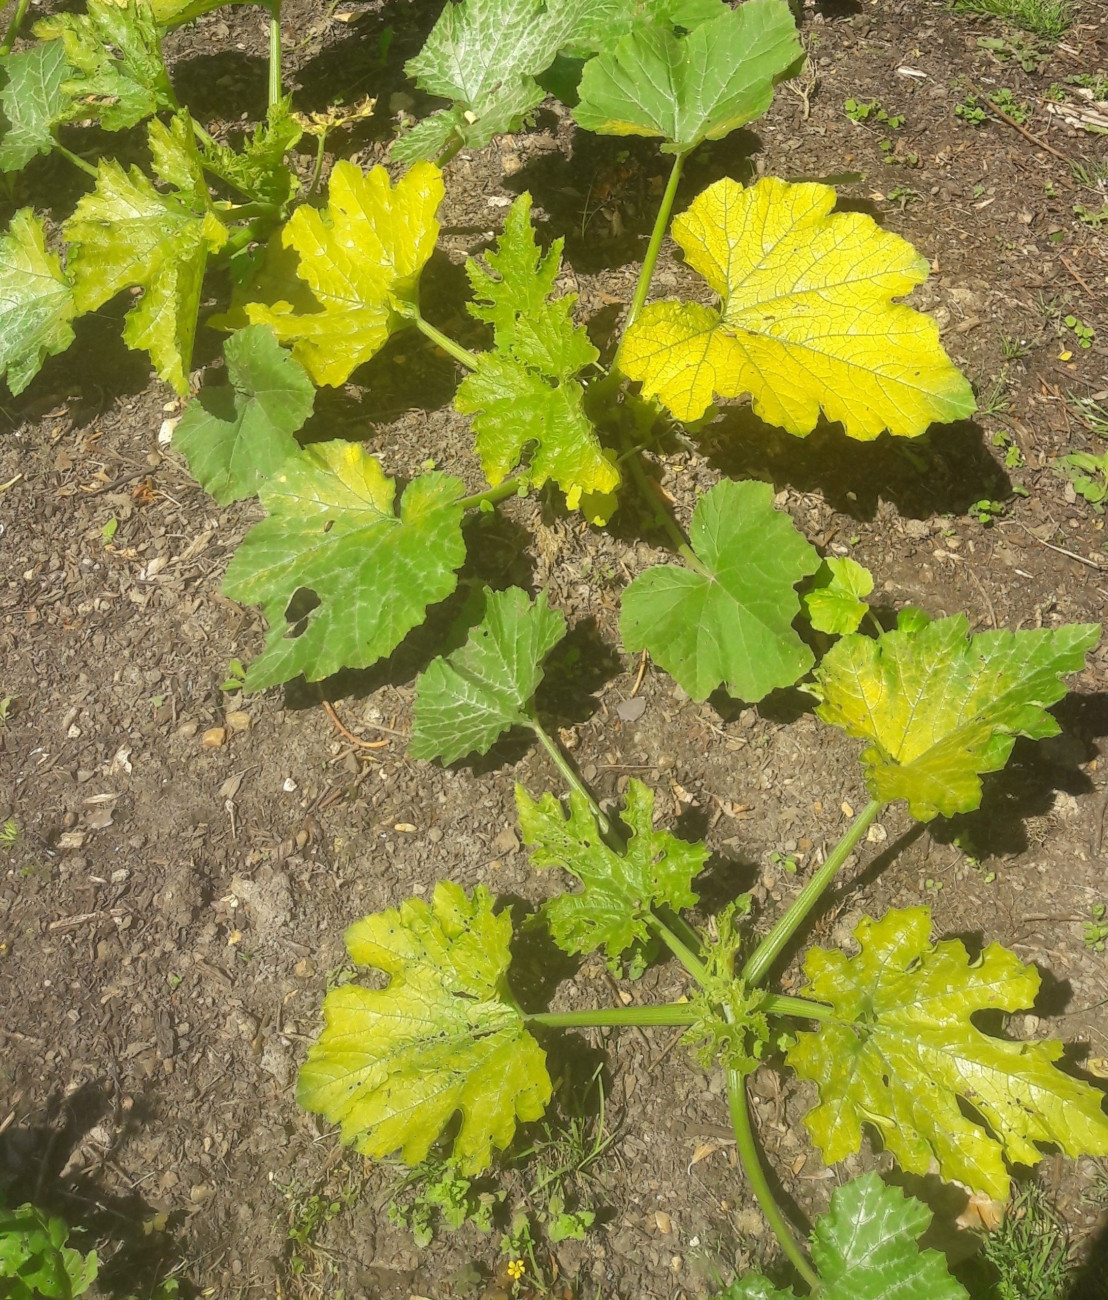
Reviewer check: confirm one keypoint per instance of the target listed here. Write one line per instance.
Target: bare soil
(172, 910)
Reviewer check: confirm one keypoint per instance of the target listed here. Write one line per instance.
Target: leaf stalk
(509, 488)
(575, 783)
(661, 223)
(673, 1013)
(76, 160)
(274, 52)
(462, 355)
(14, 26)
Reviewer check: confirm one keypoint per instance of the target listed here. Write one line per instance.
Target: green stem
(680, 950)
(574, 782)
(456, 142)
(661, 223)
(317, 170)
(76, 160)
(274, 52)
(766, 953)
(878, 630)
(662, 516)
(509, 488)
(780, 1004)
(462, 355)
(14, 26)
(756, 1177)
(672, 1013)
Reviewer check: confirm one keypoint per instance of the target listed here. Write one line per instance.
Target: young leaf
(392, 1066)
(806, 318)
(526, 391)
(466, 702)
(866, 1248)
(901, 1050)
(939, 707)
(693, 88)
(36, 302)
(236, 437)
(604, 23)
(33, 102)
(332, 532)
(172, 13)
(835, 603)
(484, 55)
(127, 233)
(361, 258)
(119, 75)
(258, 167)
(730, 621)
(619, 888)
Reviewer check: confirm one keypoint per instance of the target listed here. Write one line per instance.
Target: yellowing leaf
(361, 257)
(128, 233)
(394, 1065)
(900, 1050)
(806, 319)
(36, 302)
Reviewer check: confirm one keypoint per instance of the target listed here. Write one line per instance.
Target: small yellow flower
(516, 1269)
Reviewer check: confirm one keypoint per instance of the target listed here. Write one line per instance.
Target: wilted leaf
(901, 1049)
(693, 88)
(36, 302)
(939, 707)
(619, 888)
(835, 603)
(730, 622)
(332, 533)
(465, 702)
(237, 437)
(393, 1066)
(361, 257)
(806, 319)
(33, 102)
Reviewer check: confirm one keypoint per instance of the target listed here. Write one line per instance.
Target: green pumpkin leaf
(866, 1247)
(237, 437)
(938, 707)
(115, 53)
(258, 167)
(394, 1065)
(465, 702)
(36, 302)
(730, 622)
(604, 23)
(619, 888)
(901, 1050)
(835, 603)
(33, 101)
(693, 88)
(128, 233)
(331, 531)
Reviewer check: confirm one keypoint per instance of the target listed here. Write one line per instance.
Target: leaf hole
(303, 601)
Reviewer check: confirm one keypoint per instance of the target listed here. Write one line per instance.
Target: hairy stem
(14, 26)
(756, 1177)
(317, 169)
(509, 488)
(274, 52)
(76, 160)
(661, 223)
(680, 949)
(575, 783)
(767, 951)
(673, 1013)
(780, 1004)
(462, 355)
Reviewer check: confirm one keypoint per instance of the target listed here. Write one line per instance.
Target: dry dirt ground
(171, 912)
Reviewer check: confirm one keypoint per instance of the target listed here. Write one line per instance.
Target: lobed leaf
(237, 437)
(36, 302)
(694, 88)
(939, 707)
(33, 101)
(866, 1247)
(604, 23)
(127, 233)
(393, 1066)
(331, 532)
(619, 888)
(729, 621)
(258, 168)
(835, 603)
(361, 258)
(901, 1052)
(466, 701)
(806, 321)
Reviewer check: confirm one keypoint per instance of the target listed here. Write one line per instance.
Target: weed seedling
(971, 112)
(1096, 928)
(35, 1260)
(861, 110)
(1088, 474)
(1030, 1249)
(986, 511)
(236, 677)
(1013, 457)
(9, 833)
(1046, 18)
(1096, 218)
(1028, 54)
(1083, 334)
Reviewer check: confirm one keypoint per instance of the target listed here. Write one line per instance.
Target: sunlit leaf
(727, 622)
(604, 23)
(900, 1052)
(806, 320)
(360, 257)
(939, 707)
(835, 603)
(394, 1065)
(257, 168)
(36, 302)
(466, 701)
(619, 889)
(33, 101)
(332, 534)
(698, 87)
(172, 13)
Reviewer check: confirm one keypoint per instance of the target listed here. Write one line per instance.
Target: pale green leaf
(465, 702)
(332, 532)
(900, 1051)
(258, 168)
(693, 88)
(866, 1247)
(33, 101)
(394, 1065)
(36, 302)
(236, 437)
(115, 53)
(128, 233)
(604, 23)
(939, 707)
(619, 889)
(729, 621)
(835, 603)
(361, 258)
